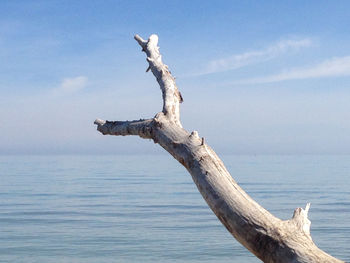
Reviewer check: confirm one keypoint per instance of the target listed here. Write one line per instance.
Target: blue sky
(257, 77)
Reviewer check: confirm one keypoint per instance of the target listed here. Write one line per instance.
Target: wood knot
(158, 124)
(182, 161)
(301, 221)
(194, 134)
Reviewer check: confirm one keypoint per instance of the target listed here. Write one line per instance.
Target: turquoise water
(147, 209)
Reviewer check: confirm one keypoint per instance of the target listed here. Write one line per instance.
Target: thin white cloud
(253, 57)
(335, 67)
(71, 85)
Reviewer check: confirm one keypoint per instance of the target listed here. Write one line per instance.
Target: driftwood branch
(143, 128)
(266, 236)
(171, 95)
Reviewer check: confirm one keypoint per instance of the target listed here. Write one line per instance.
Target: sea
(146, 208)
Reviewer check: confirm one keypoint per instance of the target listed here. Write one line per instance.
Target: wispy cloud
(335, 67)
(253, 57)
(71, 85)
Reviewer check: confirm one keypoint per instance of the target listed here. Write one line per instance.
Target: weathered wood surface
(266, 236)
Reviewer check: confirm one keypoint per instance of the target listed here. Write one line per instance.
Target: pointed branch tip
(139, 39)
(99, 122)
(307, 208)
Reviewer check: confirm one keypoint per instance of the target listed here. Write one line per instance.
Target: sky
(257, 77)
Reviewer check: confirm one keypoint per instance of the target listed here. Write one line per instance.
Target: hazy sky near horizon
(257, 77)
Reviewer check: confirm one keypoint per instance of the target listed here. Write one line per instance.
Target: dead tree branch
(266, 236)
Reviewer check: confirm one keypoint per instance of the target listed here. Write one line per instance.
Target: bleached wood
(171, 95)
(141, 127)
(266, 236)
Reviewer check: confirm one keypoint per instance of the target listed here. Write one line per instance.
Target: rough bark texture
(267, 237)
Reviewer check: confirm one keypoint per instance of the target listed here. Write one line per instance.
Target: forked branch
(267, 237)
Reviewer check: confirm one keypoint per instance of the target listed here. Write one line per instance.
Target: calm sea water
(82, 209)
